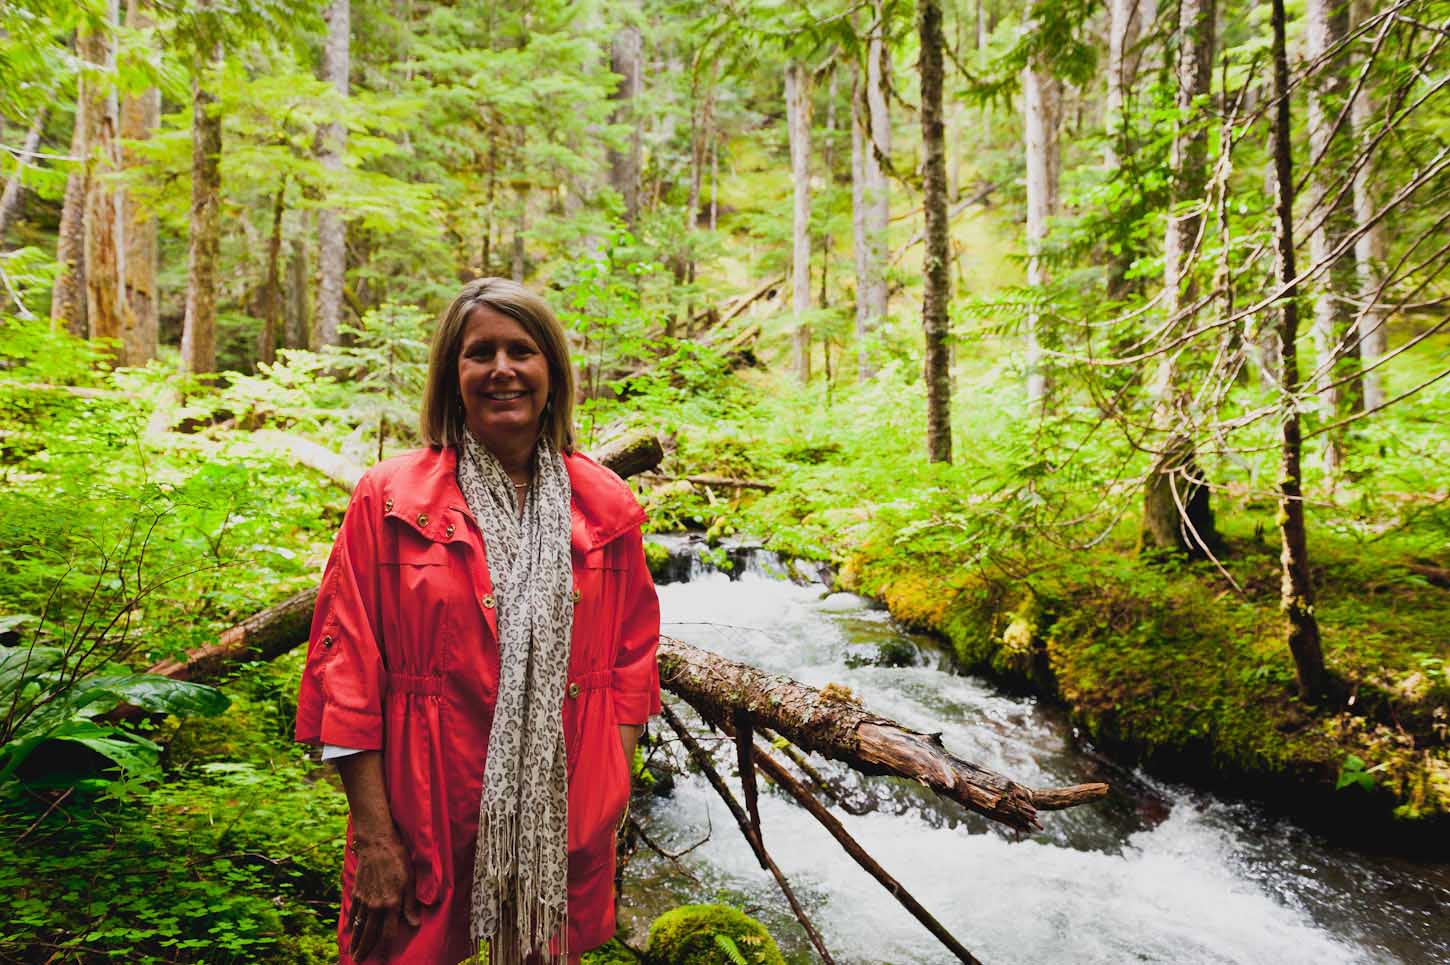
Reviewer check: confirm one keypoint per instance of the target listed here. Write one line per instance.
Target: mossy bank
(1169, 666)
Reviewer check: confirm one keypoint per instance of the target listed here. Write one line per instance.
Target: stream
(1156, 873)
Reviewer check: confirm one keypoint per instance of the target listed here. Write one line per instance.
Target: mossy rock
(687, 936)
(657, 557)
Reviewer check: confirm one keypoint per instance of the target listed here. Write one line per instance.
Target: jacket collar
(425, 488)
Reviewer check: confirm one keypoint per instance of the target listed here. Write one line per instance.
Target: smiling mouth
(504, 396)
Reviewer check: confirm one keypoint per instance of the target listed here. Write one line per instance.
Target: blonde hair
(441, 423)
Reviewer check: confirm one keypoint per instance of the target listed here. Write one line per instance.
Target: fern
(731, 950)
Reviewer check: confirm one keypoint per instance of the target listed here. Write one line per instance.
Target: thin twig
(702, 760)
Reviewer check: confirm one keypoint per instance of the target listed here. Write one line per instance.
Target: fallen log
(316, 456)
(632, 454)
(833, 725)
(277, 629)
(721, 481)
(733, 306)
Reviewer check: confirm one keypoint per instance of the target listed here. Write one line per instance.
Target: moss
(686, 936)
(657, 557)
(1168, 665)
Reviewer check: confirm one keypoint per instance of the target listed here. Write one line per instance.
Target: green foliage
(690, 935)
(224, 865)
(1354, 772)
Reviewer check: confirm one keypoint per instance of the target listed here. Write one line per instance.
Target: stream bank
(1164, 667)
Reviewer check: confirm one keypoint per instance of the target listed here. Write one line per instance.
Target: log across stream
(1154, 873)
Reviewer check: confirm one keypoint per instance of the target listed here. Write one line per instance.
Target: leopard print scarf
(520, 893)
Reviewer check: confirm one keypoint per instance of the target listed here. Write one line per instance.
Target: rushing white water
(1155, 874)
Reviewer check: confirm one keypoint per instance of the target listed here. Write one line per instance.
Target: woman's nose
(502, 365)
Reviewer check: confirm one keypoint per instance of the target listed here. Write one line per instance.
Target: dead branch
(774, 770)
(702, 760)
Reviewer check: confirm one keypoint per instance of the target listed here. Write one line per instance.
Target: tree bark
(877, 190)
(830, 723)
(1128, 20)
(295, 303)
(1325, 24)
(860, 237)
(198, 331)
(1041, 109)
(632, 454)
(937, 269)
(272, 289)
(68, 297)
(331, 229)
(1296, 592)
(140, 117)
(798, 115)
(107, 313)
(10, 199)
(1188, 153)
(626, 60)
(1176, 515)
(1369, 247)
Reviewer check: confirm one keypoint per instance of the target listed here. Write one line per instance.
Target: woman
(482, 660)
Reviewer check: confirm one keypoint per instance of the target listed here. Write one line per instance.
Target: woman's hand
(381, 891)
(382, 888)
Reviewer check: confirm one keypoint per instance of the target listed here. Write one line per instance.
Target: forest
(1060, 383)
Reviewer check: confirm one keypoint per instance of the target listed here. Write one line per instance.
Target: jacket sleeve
(636, 679)
(341, 698)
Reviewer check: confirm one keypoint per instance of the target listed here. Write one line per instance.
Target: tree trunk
(68, 297)
(10, 199)
(272, 289)
(1369, 247)
(1041, 109)
(1128, 20)
(140, 117)
(626, 59)
(1188, 153)
(106, 309)
(1296, 593)
(798, 115)
(331, 229)
(878, 190)
(1325, 24)
(521, 225)
(198, 331)
(860, 136)
(937, 269)
(295, 303)
(1176, 514)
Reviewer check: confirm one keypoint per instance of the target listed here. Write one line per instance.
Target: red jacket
(403, 657)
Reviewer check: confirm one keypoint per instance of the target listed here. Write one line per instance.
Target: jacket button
(574, 688)
(577, 594)
(449, 530)
(327, 643)
(488, 601)
(422, 519)
(388, 505)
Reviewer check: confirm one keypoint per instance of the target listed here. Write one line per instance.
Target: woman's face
(504, 380)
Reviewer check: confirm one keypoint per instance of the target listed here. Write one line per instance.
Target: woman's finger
(369, 933)
(411, 910)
